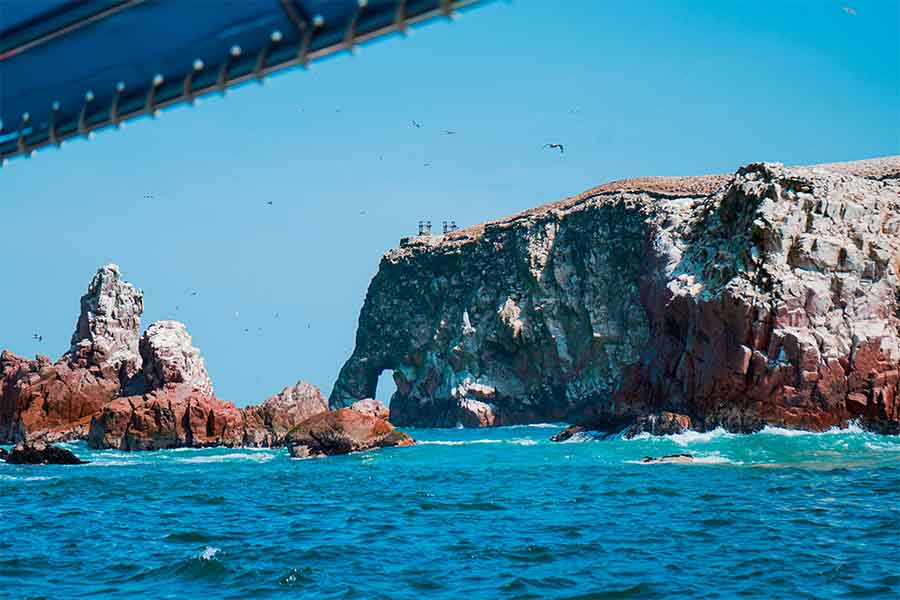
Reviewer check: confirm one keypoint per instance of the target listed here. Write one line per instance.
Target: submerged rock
(41, 454)
(567, 433)
(669, 458)
(267, 424)
(769, 296)
(341, 432)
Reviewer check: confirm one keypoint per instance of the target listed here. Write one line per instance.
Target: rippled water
(499, 513)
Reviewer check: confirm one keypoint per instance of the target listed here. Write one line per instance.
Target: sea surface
(498, 513)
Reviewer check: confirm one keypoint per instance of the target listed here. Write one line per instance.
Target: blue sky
(631, 88)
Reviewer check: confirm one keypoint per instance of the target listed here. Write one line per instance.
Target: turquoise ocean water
(497, 513)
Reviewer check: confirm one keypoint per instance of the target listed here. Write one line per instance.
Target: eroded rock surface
(371, 407)
(169, 357)
(174, 416)
(109, 327)
(341, 432)
(267, 424)
(42, 400)
(40, 453)
(767, 296)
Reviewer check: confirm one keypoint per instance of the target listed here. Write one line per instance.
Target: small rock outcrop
(169, 357)
(175, 416)
(371, 407)
(267, 424)
(770, 296)
(567, 433)
(341, 432)
(665, 423)
(109, 327)
(41, 454)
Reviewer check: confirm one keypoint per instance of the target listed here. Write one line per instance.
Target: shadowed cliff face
(765, 297)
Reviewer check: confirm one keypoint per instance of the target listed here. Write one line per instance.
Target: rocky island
(118, 388)
(769, 296)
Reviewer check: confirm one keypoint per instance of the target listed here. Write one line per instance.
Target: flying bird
(37, 337)
(416, 124)
(193, 293)
(850, 11)
(559, 147)
(449, 132)
(269, 203)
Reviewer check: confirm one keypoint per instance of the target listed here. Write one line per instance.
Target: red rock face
(371, 407)
(172, 417)
(42, 400)
(341, 432)
(267, 424)
(786, 315)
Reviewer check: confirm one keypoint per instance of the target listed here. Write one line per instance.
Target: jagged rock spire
(109, 326)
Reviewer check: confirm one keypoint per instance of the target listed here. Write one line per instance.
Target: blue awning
(68, 67)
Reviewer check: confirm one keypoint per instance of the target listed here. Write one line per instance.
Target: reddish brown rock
(267, 424)
(175, 416)
(370, 407)
(341, 432)
(770, 296)
(38, 398)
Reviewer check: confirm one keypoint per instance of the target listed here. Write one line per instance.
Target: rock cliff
(769, 296)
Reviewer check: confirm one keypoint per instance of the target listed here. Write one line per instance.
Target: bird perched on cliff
(559, 147)
(850, 11)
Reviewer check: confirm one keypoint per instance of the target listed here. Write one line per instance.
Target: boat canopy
(69, 67)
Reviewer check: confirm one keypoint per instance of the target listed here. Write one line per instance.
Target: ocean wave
(456, 442)
(686, 438)
(218, 458)
(28, 478)
(544, 425)
(852, 427)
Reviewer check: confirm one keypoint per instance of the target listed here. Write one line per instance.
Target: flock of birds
(553, 146)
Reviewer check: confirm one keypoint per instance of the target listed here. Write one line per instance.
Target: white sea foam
(523, 442)
(457, 442)
(579, 438)
(544, 425)
(218, 458)
(686, 438)
(853, 427)
(713, 458)
(208, 553)
(30, 478)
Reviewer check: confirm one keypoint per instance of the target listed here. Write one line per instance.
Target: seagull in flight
(416, 124)
(37, 337)
(269, 203)
(559, 147)
(449, 132)
(850, 11)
